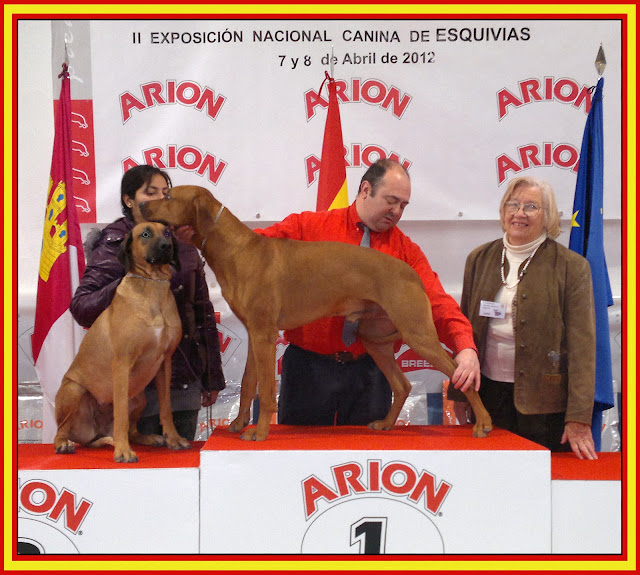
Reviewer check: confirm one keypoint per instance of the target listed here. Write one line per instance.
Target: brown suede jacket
(554, 327)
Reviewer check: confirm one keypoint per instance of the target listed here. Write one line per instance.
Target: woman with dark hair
(196, 376)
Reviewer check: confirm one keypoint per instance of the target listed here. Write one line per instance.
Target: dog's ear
(176, 259)
(124, 253)
(204, 219)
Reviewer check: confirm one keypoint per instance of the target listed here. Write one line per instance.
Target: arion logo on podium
(373, 509)
(53, 512)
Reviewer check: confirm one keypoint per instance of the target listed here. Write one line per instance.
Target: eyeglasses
(514, 208)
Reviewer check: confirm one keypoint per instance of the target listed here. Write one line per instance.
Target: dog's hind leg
(483, 423)
(248, 389)
(443, 362)
(70, 416)
(102, 442)
(136, 407)
(415, 324)
(382, 354)
(265, 367)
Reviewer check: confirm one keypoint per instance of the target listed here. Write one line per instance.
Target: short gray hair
(551, 214)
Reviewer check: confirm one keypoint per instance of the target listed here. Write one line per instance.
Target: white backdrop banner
(233, 105)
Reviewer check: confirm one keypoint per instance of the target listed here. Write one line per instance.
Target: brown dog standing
(102, 393)
(272, 284)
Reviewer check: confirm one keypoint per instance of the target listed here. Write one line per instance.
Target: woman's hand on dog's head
(184, 233)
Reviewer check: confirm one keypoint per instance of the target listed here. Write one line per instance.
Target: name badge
(492, 309)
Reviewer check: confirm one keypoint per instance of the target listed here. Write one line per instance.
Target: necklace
(131, 275)
(522, 271)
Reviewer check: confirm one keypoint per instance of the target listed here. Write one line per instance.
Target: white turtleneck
(500, 349)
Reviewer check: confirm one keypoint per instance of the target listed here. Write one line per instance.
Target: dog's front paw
(381, 425)
(177, 442)
(125, 456)
(65, 447)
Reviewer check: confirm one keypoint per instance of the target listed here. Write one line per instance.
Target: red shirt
(325, 335)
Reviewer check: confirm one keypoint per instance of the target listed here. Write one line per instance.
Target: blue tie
(351, 327)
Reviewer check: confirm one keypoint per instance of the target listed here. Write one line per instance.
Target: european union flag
(587, 240)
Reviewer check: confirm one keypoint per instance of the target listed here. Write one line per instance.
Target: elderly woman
(530, 302)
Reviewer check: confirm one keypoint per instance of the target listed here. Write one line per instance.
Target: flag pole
(56, 336)
(331, 63)
(75, 267)
(601, 61)
(332, 181)
(587, 239)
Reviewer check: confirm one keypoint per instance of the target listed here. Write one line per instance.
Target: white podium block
(586, 504)
(350, 490)
(87, 503)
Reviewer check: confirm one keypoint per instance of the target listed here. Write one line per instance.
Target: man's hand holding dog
(467, 374)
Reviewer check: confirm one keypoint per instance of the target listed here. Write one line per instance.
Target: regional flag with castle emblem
(56, 336)
(332, 181)
(587, 240)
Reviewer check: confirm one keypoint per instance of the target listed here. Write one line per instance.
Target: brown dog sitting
(102, 394)
(272, 284)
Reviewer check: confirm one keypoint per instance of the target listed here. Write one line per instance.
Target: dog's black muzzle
(160, 252)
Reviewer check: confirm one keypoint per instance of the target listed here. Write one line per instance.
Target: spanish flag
(56, 336)
(332, 182)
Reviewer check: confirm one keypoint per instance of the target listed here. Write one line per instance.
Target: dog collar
(131, 275)
(219, 214)
(215, 221)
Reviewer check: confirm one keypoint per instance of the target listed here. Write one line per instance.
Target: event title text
(449, 34)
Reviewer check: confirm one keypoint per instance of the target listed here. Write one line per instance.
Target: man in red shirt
(324, 380)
